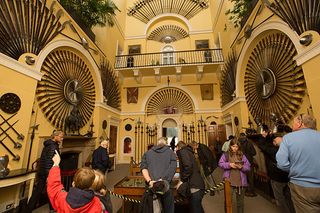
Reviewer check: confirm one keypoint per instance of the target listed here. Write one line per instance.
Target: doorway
(170, 130)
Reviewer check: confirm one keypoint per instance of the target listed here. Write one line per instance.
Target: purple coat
(225, 165)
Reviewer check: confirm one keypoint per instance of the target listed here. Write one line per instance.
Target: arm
(172, 167)
(105, 160)
(48, 157)
(55, 188)
(223, 163)
(268, 149)
(246, 164)
(185, 166)
(144, 170)
(282, 156)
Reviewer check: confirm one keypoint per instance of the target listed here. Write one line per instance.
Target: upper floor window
(168, 57)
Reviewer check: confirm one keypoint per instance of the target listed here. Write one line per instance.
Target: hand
(179, 184)
(277, 141)
(151, 183)
(239, 166)
(233, 165)
(103, 192)
(56, 158)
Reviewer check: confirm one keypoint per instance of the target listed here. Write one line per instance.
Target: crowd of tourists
(290, 159)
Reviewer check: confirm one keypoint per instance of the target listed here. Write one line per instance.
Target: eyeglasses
(301, 117)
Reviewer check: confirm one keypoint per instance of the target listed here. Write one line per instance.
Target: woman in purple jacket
(235, 165)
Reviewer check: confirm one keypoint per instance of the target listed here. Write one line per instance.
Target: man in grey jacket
(159, 163)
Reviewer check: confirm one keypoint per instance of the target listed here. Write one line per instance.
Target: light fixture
(306, 39)
(29, 60)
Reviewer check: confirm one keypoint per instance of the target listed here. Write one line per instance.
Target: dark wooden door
(113, 139)
(214, 131)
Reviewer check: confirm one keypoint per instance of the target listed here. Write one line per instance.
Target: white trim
(308, 53)
(234, 102)
(132, 113)
(217, 110)
(114, 120)
(20, 67)
(69, 43)
(190, 33)
(200, 32)
(135, 37)
(216, 18)
(119, 26)
(268, 26)
(182, 18)
(105, 106)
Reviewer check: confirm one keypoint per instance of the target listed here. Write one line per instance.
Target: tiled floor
(212, 204)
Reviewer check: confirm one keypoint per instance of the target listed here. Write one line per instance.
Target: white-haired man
(159, 163)
(298, 155)
(100, 157)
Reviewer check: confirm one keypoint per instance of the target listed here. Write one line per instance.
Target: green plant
(93, 12)
(239, 11)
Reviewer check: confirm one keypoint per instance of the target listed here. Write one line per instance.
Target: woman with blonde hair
(101, 192)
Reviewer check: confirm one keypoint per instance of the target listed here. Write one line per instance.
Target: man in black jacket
(208, 163)
(45, 165)
(190, 172)
(100, 157)
(278, 178)
(249, 151)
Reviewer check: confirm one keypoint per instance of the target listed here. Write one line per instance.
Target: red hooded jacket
(76, 200)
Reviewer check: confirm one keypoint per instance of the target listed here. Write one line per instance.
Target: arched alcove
(169, 100)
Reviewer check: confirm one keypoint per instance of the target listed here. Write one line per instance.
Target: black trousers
(41, 188)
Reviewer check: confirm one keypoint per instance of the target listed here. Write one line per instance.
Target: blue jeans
(167, 202)
(196, 202)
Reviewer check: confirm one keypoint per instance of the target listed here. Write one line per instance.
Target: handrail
(186, 57)
(227, 196)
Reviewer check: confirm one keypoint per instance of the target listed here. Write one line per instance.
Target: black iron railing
(208, 56)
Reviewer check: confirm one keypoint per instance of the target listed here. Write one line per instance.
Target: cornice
(234, 102)
(308, 53)
(19, 67)
(105, 106)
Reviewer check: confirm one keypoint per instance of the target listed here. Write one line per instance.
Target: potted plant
(92, 12)
(240, 11)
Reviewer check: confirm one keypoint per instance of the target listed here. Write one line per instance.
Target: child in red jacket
(80, 197)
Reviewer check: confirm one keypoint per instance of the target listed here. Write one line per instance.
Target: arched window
(168, 57)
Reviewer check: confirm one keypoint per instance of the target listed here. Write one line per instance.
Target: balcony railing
(208, 56)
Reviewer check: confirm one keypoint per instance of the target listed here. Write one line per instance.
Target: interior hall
(133, 71)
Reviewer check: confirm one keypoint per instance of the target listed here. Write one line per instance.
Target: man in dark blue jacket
(100, 157)
(45, 165)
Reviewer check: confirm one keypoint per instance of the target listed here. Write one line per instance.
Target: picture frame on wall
(202, 44)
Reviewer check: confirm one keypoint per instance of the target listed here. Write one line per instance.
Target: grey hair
(101, 139)
(181, 144)
(308, 121)
(56, 133)
(162, 141)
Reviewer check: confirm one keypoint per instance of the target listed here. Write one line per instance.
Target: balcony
(173, 59)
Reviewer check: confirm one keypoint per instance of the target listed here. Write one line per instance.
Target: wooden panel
(113, 139)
